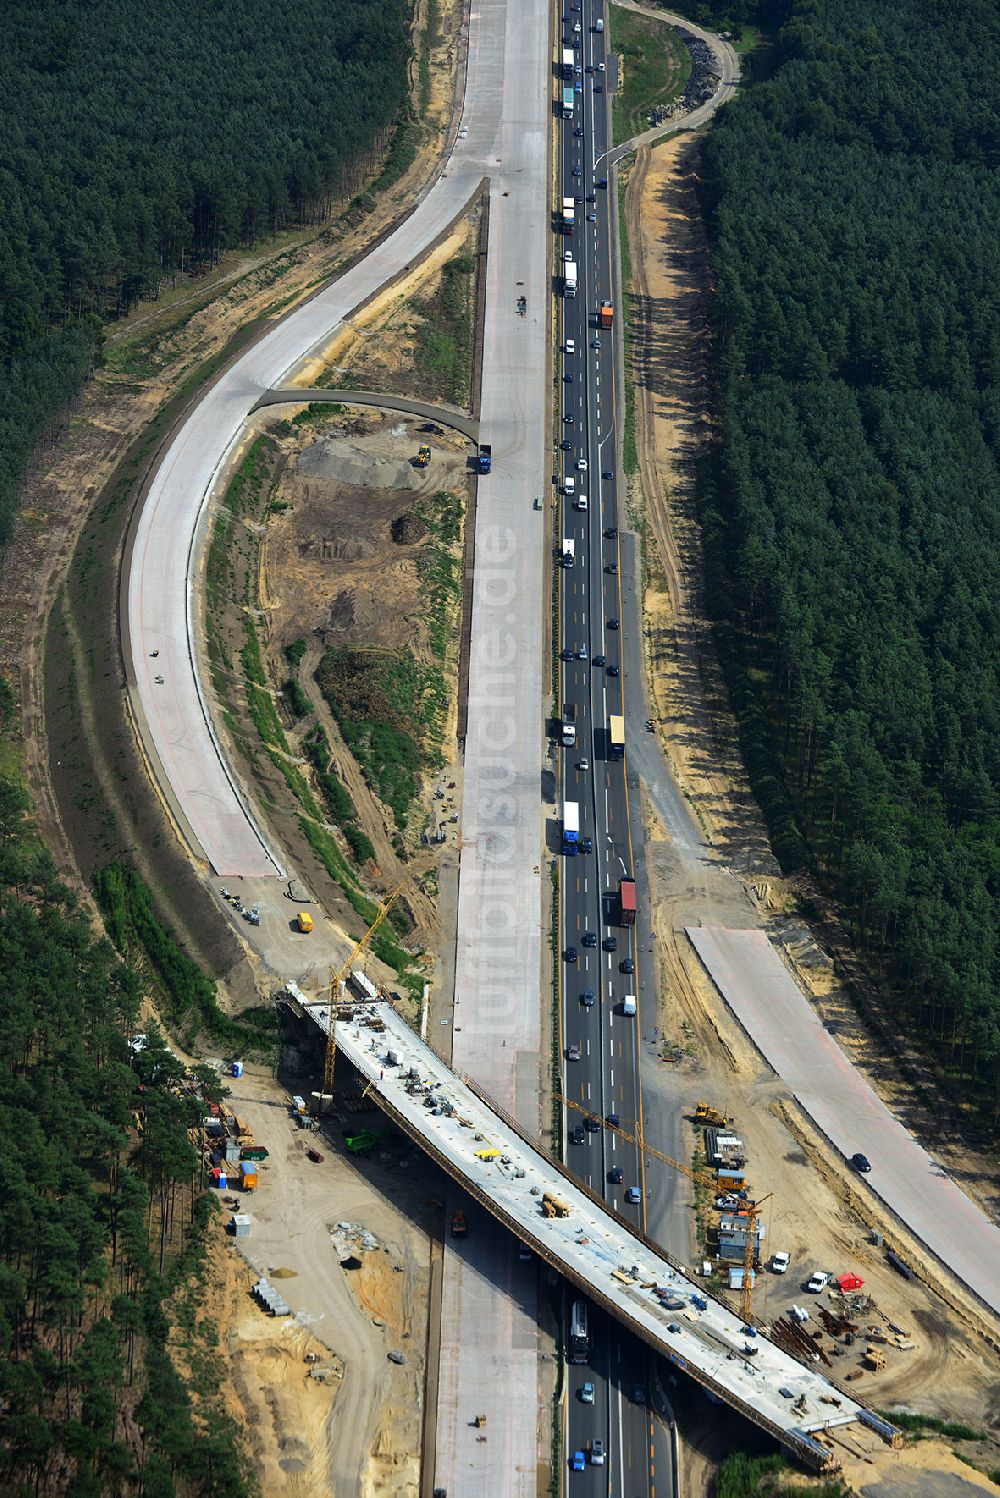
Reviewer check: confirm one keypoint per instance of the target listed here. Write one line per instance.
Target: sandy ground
(670, 280)
(952, 1371)
(375, 350)
(339, 566)
(360, 1433)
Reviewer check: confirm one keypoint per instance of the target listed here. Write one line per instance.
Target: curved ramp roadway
(165, 690)
(790, 1036)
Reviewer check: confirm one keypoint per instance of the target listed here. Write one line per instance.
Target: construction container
(237, 1068)
(248, 1175)
(241, 1225)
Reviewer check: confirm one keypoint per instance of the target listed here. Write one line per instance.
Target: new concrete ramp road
(489, 1334)
(159, 629)
(774, 1012)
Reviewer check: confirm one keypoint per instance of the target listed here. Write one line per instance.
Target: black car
(567, 655)
(578, 171)
(607, 474)
(626, 966)
(587, 998)
(610, 944)
(569, 419)
(612, 1120)
(578, 1135)
(611, 567)
(591, 197)
(612, 623)
(570, 954)
(586, 845)
(611, 533)
(602, 181)
(566, 446)
(615, 1176)
(590, 938)
(614, 671)
(578, 131)
(568, 377)
(599, 89)
(591, 1125)
(861, 1163)
(599, 660)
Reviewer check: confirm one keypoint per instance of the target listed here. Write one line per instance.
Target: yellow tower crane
(704, 1178)
(336, 983)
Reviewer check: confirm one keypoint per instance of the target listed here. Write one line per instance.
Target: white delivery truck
(569, 277)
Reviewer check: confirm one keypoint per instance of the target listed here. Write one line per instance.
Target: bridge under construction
(589, 1243)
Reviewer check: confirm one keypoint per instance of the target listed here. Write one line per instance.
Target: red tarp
(850, 1281)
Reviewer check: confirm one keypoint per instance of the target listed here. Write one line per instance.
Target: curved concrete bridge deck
(440, 412)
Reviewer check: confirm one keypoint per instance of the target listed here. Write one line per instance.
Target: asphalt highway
(605, 1077)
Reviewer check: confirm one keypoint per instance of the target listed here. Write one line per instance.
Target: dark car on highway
(861, 1163)
(570, 954)
(610, 944)
(626, 966)
(587, 998)
(615, 1176)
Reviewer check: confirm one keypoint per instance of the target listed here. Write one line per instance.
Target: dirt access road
(307, 1219)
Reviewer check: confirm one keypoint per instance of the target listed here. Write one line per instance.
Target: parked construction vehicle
(423, 455)
(304, 921)
(708, 1117)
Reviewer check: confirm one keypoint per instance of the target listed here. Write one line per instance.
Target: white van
(569, 485)
(581, 501)
(569, 347)
(628, 1004)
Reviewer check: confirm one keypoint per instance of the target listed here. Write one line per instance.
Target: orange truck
(606, 316)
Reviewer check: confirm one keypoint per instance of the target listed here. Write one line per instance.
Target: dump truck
(304, 921)
(484, 462)
(606, 316)
(459, 1225)
(553, 1207)
(626, 902)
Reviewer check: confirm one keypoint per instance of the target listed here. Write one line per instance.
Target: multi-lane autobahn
(607, 1392)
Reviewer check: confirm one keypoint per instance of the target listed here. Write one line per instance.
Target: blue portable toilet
(237, 1068)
